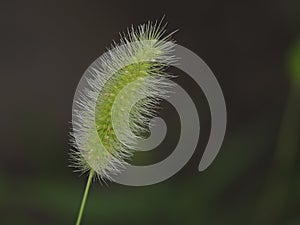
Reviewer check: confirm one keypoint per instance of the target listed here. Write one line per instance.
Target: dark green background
(255, 178)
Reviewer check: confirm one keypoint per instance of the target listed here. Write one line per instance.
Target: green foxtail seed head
(138, 62)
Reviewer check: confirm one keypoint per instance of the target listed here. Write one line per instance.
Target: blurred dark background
(254, 179)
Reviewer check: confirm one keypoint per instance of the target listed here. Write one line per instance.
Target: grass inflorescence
(139, 60)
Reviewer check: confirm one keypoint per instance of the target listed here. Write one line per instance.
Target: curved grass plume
(139, 61)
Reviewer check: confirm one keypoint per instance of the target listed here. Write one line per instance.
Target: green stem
(87, 187)
(276, 189)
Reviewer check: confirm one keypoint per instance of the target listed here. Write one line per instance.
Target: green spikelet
(124, 90)
(138, 61)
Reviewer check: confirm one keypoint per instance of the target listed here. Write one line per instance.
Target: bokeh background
(253, 49)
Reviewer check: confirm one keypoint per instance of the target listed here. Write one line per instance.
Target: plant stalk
(86, 191)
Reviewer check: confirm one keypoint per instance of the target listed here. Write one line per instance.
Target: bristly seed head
(137, 66)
